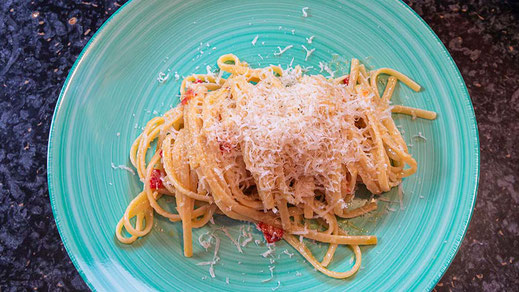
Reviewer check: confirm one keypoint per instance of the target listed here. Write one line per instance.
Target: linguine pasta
(274, 147)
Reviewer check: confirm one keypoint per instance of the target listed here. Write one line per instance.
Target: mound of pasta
(274, 147)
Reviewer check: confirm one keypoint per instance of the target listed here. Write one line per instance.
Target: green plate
(112, 91)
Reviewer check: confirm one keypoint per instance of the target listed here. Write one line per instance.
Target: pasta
(274, 147)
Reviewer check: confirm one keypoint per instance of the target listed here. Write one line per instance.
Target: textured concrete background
(40, 40)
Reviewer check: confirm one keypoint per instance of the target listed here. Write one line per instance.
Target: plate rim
(476, 152)
(52, 129)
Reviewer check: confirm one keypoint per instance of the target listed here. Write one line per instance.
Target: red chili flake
(198, 81)
(156, 180)
(188, 94)
(160, 153)
(346, 80)
(271, 233)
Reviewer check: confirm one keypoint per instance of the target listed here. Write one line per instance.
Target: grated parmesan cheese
(255, 40)
(268, 252)
(123, 167)
(247, 240)
(306, 69)
(324, 66)
(296, 127)
(277, 287)
(305, 14)
(281, 51)
(271, 268)
(226, 232)
(290, 255)
(163, 77)
(215, 257)
(310, 39)
(209, 71)
(204, 243)
(308, 52)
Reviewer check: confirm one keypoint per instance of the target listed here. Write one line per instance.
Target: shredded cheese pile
(300, 124)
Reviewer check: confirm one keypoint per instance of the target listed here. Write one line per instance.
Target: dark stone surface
(39, 42)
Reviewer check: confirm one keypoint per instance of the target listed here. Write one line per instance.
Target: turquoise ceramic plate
(112, 90)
